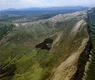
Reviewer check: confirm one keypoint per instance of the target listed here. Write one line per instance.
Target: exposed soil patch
(68, 68)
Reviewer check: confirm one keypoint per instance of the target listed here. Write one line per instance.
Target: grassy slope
(20, 60)
(5, 29)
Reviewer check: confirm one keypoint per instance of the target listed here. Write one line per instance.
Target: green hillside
(50, 49)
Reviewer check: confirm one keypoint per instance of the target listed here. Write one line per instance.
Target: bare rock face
(69, 67)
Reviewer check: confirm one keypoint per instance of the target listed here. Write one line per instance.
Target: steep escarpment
(49, 49)
(84, 57)
(90, 68)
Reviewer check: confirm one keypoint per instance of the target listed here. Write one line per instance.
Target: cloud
(70, 2)
(4, 4)
(20, 3)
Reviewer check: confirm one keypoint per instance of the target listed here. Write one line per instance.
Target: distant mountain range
(32, 14)
(47, 8)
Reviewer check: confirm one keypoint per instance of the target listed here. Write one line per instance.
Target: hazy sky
(4, 4)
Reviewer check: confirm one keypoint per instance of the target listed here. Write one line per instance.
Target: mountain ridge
(64, 58)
